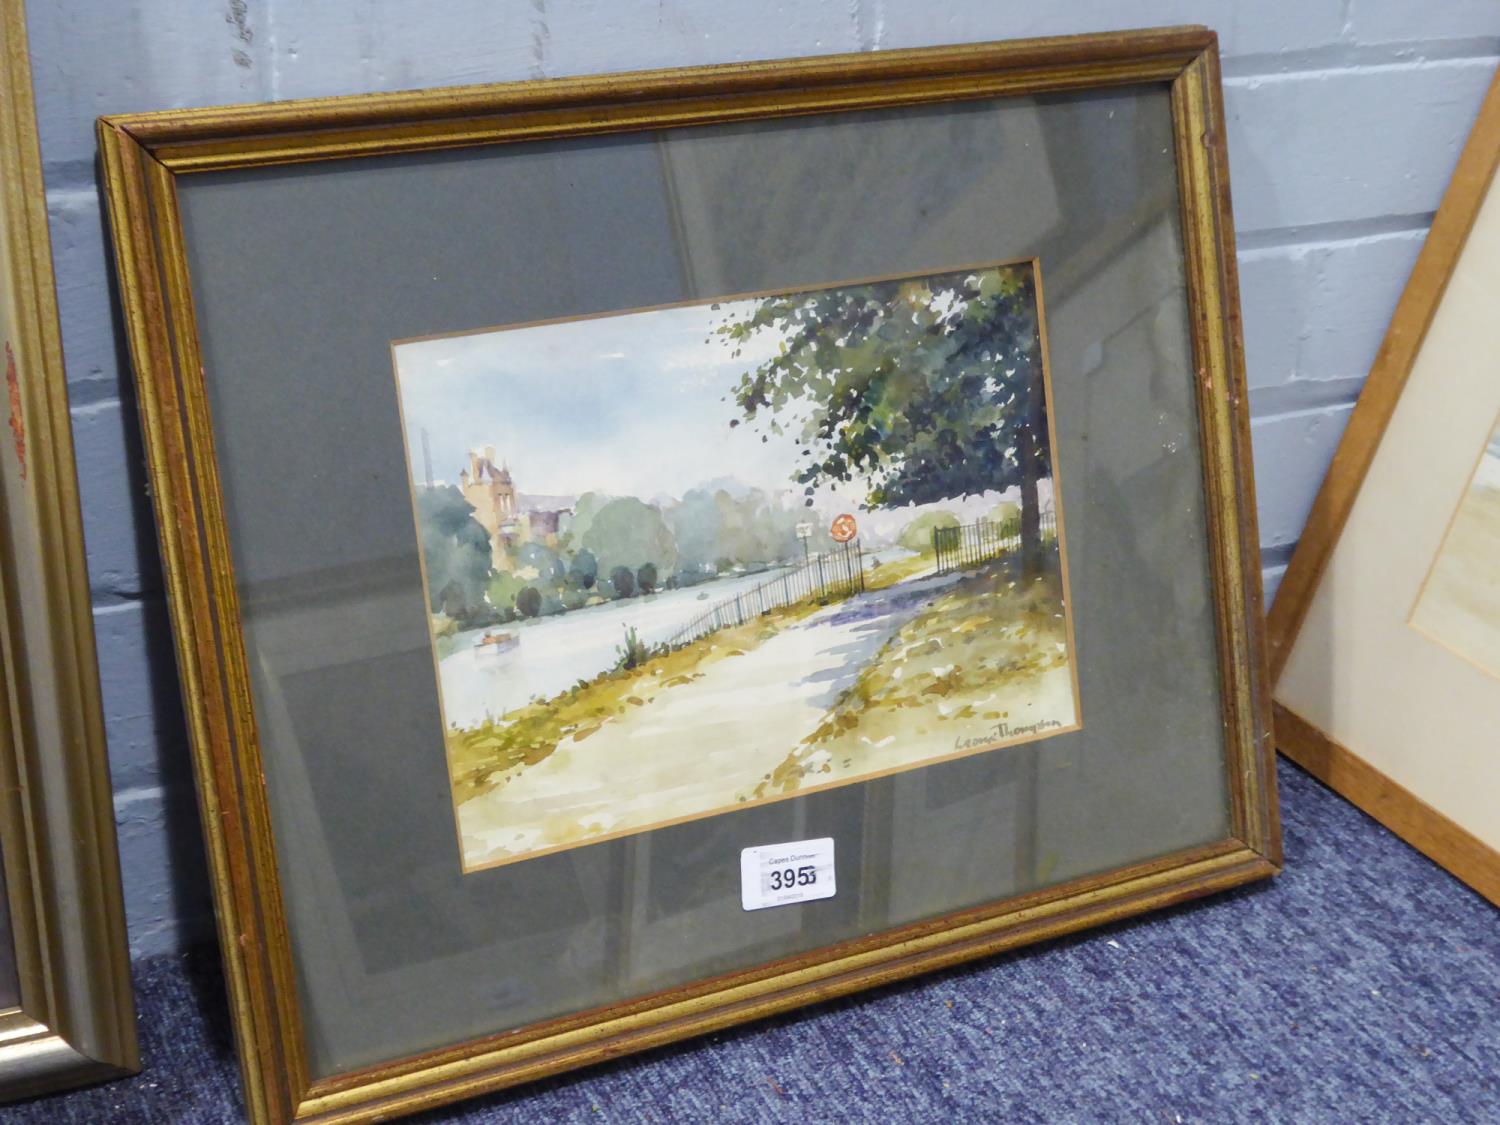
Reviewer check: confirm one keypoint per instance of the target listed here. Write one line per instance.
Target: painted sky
(636, 404)
(633, 404)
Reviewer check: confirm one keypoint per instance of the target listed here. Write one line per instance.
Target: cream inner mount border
(1357, 671)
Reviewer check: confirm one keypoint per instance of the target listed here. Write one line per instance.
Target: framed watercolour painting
(1388, 673)
(681, 616)
(653, 550)
(66, 1013)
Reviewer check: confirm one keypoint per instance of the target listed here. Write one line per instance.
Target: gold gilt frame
(145, 154)
(76, 1019)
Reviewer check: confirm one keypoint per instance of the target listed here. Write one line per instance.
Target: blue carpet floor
(1363, 985)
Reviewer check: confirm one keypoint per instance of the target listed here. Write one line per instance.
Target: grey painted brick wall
(1345, 120)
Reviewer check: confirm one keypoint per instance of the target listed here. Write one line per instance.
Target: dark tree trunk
(1031, 452)
(1031, 508)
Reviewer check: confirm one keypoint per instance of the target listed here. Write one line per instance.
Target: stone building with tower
(491, 491)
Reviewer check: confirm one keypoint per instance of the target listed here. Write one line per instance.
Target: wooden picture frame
(75, 1020)
(1342, 767)
(150, 161)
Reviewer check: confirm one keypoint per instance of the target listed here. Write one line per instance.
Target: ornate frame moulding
(148, 156)
(75, 1021)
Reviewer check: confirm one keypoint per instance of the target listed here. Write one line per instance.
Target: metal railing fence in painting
(835, 573)
(968, 545)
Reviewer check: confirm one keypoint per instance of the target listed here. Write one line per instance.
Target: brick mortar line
(1323, 409)
(1356, 58)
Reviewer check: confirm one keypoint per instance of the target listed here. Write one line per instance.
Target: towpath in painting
(704, 556)
(1459, 605)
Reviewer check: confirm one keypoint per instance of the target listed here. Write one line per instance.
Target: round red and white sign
(843, 529)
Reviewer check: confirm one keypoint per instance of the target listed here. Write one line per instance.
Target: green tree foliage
(923, 390)
(1004, 513)
(717, 531)
(622, 578)
(502, 590)
(572, 598)
(583, 571)
(529, 601)
(695, 529)
(626, 532)
(917, 535)
(632, 547)
(541, 564)
(585, 508)
(455, 552)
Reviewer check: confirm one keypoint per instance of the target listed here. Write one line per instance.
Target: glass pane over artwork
(314, 286)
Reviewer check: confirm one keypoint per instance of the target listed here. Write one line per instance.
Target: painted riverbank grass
(684, 559)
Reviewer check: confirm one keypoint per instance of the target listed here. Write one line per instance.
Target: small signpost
(804, 533)
(842, 531)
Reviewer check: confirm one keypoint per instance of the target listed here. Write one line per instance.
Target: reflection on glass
(302, 278)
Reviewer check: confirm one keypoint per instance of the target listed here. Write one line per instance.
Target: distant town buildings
(547, 524)
(488, 489)
(499, 509)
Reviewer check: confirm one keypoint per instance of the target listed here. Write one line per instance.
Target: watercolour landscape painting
(1459, 605)
(684, 559)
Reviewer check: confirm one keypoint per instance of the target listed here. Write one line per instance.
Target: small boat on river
(493, 644)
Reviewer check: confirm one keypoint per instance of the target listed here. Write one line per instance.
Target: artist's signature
(1002, 732)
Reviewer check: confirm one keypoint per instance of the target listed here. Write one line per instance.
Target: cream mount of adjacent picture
(1385, 633)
